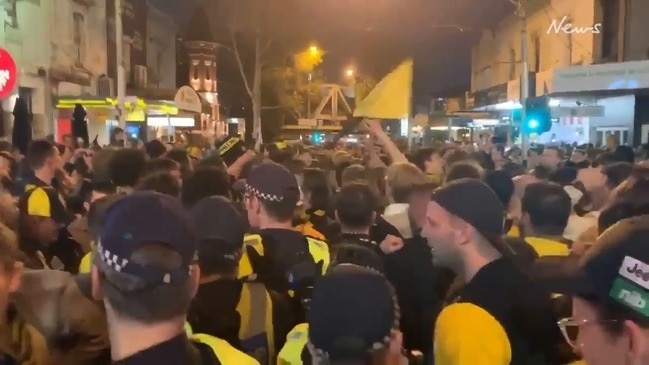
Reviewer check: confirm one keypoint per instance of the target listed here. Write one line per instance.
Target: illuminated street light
(349, 72)
(314, 50)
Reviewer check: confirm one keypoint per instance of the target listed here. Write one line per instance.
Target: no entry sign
(8, 73)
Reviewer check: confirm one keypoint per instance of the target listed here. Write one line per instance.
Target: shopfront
(99, 113)
(102, 116)
(608, 96)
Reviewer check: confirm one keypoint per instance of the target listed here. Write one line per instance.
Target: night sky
(376, 38)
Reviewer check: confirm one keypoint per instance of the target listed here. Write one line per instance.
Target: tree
(260, 34)
(291, 90)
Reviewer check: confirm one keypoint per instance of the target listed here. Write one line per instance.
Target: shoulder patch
(251, 239)
(316, 241)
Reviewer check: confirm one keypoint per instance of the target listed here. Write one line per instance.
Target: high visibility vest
(256, 331)
(85, 264)
(318, 249)
(296, 340)
(224, 351)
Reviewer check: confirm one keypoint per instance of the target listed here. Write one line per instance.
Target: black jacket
(411, 272)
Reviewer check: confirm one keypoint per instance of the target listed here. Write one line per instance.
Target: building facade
(149, 60)
(161, 49)
(588, 55)
(52, 45)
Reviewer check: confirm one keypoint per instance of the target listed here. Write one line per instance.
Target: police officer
(295, 351)
(238, 311)
(271, 194)
(353, 319)
(146, 275)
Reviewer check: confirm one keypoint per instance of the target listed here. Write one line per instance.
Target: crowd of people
(453, 254)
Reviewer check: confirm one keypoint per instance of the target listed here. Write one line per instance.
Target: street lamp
(314, 50)
(349, 72)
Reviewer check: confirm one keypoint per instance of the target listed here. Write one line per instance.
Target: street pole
(308, 98)
(121, 73)
(525, 75)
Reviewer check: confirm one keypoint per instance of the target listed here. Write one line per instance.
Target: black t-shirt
(382, 229)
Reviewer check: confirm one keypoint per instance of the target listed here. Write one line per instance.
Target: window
(512, 64)
(537, 54)
(11, 19)
(158, 66)
(610, 23)
(569, 46)
(79, 38)
(195, 70)
(621, 133)
(126, 57)
(208, 77)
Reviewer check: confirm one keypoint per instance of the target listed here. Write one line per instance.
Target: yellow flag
(390, 99)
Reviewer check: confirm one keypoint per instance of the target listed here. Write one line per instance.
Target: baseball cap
(353, 311)
(478, 205)
(271, 182)
(217, 219)
(146, 217)
(614, 271)
(231, 149)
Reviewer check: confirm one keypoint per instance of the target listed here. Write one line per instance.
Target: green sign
(631, 296)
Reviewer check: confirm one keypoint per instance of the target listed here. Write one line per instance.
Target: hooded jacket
(59, 306)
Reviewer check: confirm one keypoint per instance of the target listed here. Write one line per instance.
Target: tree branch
(235, 49)
(229, 49)
(265, 48)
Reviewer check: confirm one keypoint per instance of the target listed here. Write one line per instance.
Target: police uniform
(135, 220)
(271, 255)
(273, 183)
(222, 305)
(353, 312)
(214, 350)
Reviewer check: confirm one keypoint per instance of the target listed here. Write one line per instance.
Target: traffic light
(538, 118)
(317, 138)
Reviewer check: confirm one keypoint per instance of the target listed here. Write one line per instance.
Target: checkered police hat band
(110, 259)
(263, 196)
(150, 274)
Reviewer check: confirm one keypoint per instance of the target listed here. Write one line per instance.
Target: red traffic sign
(8, 73)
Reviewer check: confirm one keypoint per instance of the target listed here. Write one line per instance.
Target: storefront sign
(514, 87)
(164, 121)
(493, 95)
(609, 76)
(187, 99)
(8, 73)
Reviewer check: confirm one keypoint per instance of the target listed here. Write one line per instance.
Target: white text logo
(633, 298)
(4, 78)
(565, 26)
(636, 271)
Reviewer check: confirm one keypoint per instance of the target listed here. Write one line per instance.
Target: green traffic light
(533, 124)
